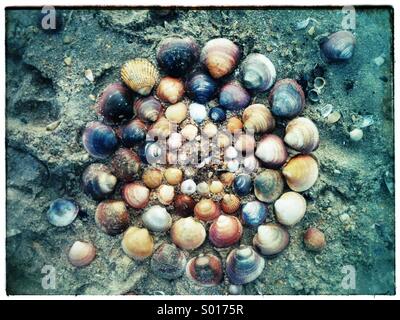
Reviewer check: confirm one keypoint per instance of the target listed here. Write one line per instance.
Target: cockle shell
(166, 194)
(168, 262)
(205, 270)
(338, 46)
(206, 210)
(176, 113)
(187, 233)
(271, 151)
(258, 72)
(140, 75)
(287, 98)
(170, 89)
(230, 203)
(147, 109)
(290, 208)
(268, 185)
(302, 135)
(157, 218)
(216, 187)
(301, 172)
(81, 253)
(271, 239)
(98, 181)
(112, 217)
(254, 213)
(227, 178)
(173, 176)
(258, 118)
(152, 178)
(126, 164)
(137, 243)
(225, 231)
(136, 195)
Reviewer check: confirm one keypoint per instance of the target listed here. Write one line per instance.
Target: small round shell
(140, 75)
(268, 185)
(137, 243)
(187, 233)
(81, 253)
(290, 208)
(301, 172)
(271, 239)
(258, 118)
(302, 135)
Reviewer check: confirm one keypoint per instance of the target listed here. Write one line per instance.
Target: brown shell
(140, 75)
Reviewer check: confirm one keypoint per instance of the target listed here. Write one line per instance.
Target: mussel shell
(290, 208)
(126, 164)
(302, 135)
(258, 118)
(133, 133)
(205, 270)
(301, 172)
(98, 181)
(170, 89)
(184, 205)
(112, 217)
(287, 98)
(157, 219)
(254, 213)
(271, 239)
(99, 140)
(188, 233)
(176, 56)
(244, 265)
(233, 96)
(268, 185)
(225, 231)
(168, 262)
(136, 195)
(217, 114)
(271, 150)
(62, 212)
(140, 75)
(258, 72)
(148, 109)
(201, 87)
(242, 184)
(137, 243)
(338, 46)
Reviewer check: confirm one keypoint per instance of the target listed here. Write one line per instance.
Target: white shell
(189, 132)
(290, 208)
(356, 134)
(156, 218)
(203, 188)
(198, 112)
(81, 253)
(175, 141)
(250, 164)
(166, 194)
(188, 187)
(233, 165)
(231, 153)
(210, 130)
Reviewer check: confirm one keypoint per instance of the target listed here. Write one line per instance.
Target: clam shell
(242, 184)
(254, 213)
(268, 185)
(147, 109)
(98, 181)
(271, 151)
(168, 262)
(225, 231)
(188, 187)
(290, 208)
(245, 143)
(62, 212)
(287, 98)
(205, 270)
(338, 46)
(140, 75)
(301, 172)
(271, 239)
(258, 119)
(161, 129)
(187, 233)
(170, 89)
(230, 203)
(81, 253)
(173, 176)
(136, 195)
(157, 218)
(302, 135)
(112, 217)
(177, 112)
(133, 133)
(234, 124)
(99, 140)
(206, 210)
(166, 194)
(152, 178)
(258, 72)
(189, 132)
(233, 96)
(184, 205)
(126, 164)
(137, 243)
(201, 87)
(314, 239)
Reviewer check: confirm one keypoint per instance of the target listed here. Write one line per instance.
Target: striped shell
(258, 118)
(271, 239)
(225, 231)
(268, 185)
(302, 135)
(140, 75)
(301, 172)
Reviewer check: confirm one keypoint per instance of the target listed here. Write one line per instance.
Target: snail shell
(148, 109)
(338, 46)
(157, 219)
(133, 133)
(112, 217)
(173, 176)
(170, 89)
(220, 56)
(217, 114)
(242, 184)
(62, 212)
(254, 213)
(166, 194)
(137, 243)
(258, 72)
(184, 205)
(244, 265)
(287, 98)
(271, 151)
(187, 233)
(168, 262)
(290, 208)
(268, 185)
(271, 239)
(152, 178)
(99, 140)
(230, 203)
(206, 210)
(81, 253)
(177, 112)
(201, 87)
(302, 135)
(258, 119)
(301, 172)
(98, 181)
(233, 96)
(140, 75)
(314, 239)
(136, 195)
(225, 231)
(126, 164)
(205, 270)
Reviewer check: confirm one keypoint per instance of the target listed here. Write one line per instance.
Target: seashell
(112, 217)
(177, 112)
(302, 135)
(271, 151)
(356, 134)
(99, 140)
(115, 104)
(184, 205)
(314, 239)
(234, 124)
(170, 89)
(225, 231)
(217, 114)
(152, 178)
(216, 187)
(258, 73)
(338, 46)
(160, 129)
(271, 239)
(175, 141)
(176, 56)
(227, 178)
(173, 176)
(153, 152)
(205, 270)
(319, 83)
(206, 210)
(231, 153)
(187, 233)
(189, 132)
(220, 56)
(133, 133)
(286, 98)
(81, 253)
(136, 195)
(290, 208)
(313, 95)
(242, 184)
(140, 75)
(254, 213)
(166, 194)
(210, 130)
(301, 172)
(233, 96)
(230, 203)
(62, 212)
(188, 187)
(268, 185)
(201, 87)
(203, 189)
(223, 140)
(126, 164)
(197, 112)
(137, 243)
(244, 265)
(168, 262)
(235, 289)
(98, 181)
(157, 219)
(233, 165)
(245, 143)
(258, 119)
(250, 164)
(147, 109)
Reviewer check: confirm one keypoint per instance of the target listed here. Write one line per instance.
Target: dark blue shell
(201, 87)
(242, 184)
(62, 212)
(337, 47)
(217, 114)
(133, 133)
(234, 97)
(254, 213)
(99, 140)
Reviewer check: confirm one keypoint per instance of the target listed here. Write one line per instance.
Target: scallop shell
(225, 231)
(137, 243)
(187, 233)
(268, 185)
(258, 119)
(302, 135)
(301, 172)
(140, 75)
(205, 270)
(290, 208)
(271, 239)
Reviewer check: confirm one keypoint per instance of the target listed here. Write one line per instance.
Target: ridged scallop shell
(301, 172)
(268, 185)
(271, 239)
(230, 203)
(254, 213)
(302, 135)
(81, 253)
(168, 262)
(136, 195)
(287, 98)
(258, 118)
(258, 72)
(225, 231)
(176, 113)
(170, 89)
(140, 75)
(157, 218)
(290, 208)
(187, 233)
(207, 210)
(148, 109)
(137, 243)
(271, 151)
(205, 270)
(244, 265)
